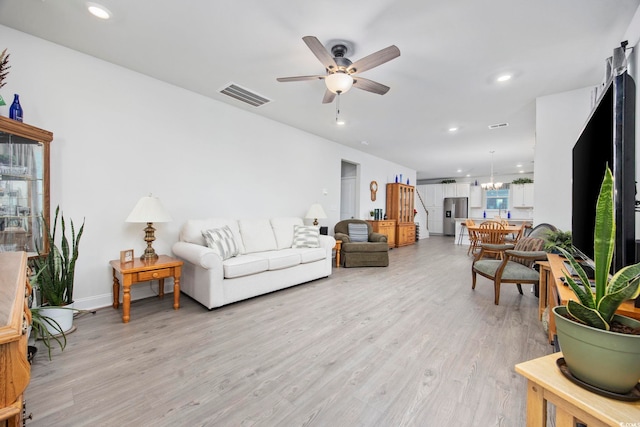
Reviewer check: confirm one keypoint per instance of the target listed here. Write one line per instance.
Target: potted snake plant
(54, 276)
(601, 348)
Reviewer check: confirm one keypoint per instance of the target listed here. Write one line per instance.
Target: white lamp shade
(316, 212)
(338, 82)
(149, 209)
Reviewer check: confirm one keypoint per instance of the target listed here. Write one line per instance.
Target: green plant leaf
(612, 300)
(604, 235)
(584, 294)
(589, 316)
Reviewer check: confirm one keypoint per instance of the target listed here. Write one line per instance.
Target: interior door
(348, 197)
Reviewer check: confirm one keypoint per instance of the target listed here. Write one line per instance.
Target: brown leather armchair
(372, 253)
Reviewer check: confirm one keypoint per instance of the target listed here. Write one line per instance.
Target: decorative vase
(62, 315)
(15, 111)
(604, 359)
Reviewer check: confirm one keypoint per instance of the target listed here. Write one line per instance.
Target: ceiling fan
(341, 72)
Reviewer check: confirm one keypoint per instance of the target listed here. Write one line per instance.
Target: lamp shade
(149, 209)
(338, 82)
(315, 212)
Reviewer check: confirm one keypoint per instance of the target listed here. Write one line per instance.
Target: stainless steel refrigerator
(454, 207)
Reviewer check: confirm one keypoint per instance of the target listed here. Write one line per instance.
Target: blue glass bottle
(15, 111)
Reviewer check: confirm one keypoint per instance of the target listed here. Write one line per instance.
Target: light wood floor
(407, 345)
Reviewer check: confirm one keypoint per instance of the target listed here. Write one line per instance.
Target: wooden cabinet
(400, 205)
(24, 186)
(386, 227)
(521, 195)
(15, 318)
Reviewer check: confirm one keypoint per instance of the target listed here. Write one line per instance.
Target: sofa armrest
(377, 237)
(198, 255)
(344, 237)
(327, 242)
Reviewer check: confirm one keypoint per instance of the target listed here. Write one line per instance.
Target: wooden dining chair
(513, 238)
(473, 236)
(492, 233)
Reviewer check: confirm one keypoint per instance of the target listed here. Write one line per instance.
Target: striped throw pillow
(306, 236)
(221, 241)
(358, 232)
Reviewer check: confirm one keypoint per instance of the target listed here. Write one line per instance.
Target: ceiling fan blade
(328, 97)
(370, 85)
(299, 78)
(375, 59)
(320, 52)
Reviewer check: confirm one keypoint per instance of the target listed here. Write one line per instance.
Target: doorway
(349, 190)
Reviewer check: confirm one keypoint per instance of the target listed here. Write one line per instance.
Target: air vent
(244, 95)
(498, 125)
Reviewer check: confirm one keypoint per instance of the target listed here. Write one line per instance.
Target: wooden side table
(338, 247)
(546, 384)
(138, 271)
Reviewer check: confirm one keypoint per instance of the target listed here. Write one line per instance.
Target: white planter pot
(62, 315)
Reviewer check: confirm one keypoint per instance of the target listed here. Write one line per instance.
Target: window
(498, 199)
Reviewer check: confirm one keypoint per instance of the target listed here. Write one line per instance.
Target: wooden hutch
(400, 207)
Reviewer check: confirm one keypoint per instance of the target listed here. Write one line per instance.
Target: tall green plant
(597, 309)
(55, 271)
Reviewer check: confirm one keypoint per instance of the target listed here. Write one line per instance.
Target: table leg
(176, 292)
(116, 290)
(126, 303)
(536, 405)
(564, 418)
(542, 287)
(161, 288)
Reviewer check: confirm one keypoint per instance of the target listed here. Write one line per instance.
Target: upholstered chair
(361, 247)
(516, 266)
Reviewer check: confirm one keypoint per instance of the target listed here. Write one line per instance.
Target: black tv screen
(608, 138)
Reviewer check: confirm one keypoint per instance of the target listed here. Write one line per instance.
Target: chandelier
(491, 185)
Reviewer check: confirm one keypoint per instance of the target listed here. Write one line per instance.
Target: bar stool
(463, 227)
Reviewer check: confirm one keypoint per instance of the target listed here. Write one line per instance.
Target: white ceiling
(451, 51)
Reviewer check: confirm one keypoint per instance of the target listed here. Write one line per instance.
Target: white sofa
(266, 261)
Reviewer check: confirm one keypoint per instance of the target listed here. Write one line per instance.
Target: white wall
(559, 121)
(119, 135)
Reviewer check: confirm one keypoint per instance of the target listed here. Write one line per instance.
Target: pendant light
(491, 185)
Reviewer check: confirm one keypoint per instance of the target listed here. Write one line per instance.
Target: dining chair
(513, 238)
(491, 233)
(473, 236)
(516, 265)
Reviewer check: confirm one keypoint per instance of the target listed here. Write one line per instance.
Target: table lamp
(315, 212)
(149, 210)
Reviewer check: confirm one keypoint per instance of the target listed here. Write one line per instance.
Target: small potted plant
(601, 348)
(54, 274)
(558, 239)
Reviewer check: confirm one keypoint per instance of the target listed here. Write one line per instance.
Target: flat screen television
(608, 138)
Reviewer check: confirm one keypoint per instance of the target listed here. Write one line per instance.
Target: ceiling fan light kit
(339, 82)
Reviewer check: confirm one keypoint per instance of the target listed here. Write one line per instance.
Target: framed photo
(126, 256)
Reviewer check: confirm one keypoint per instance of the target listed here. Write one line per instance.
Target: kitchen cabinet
(456, 189)
(475, 196)
(521, 195)
(24, 186)
(435, 222)
(434, 195)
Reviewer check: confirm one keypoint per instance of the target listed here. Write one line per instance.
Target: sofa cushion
(244, 265)
(191, 231)
(358, 232)
(221, 241)
(257, 235)
(283, 230)
(311, 254)
(278, 260)
(306, 236)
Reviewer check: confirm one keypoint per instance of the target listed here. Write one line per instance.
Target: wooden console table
(138, 271)
(546, 384)
(554, 292)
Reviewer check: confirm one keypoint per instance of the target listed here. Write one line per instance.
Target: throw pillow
(358, 232)
(221, 241)
(306, 236)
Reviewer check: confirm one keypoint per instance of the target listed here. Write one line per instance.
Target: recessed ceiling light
(459, 170)
(340, 122)
(98, 11)
(453, 129)
(504, 77)
(518, 165)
